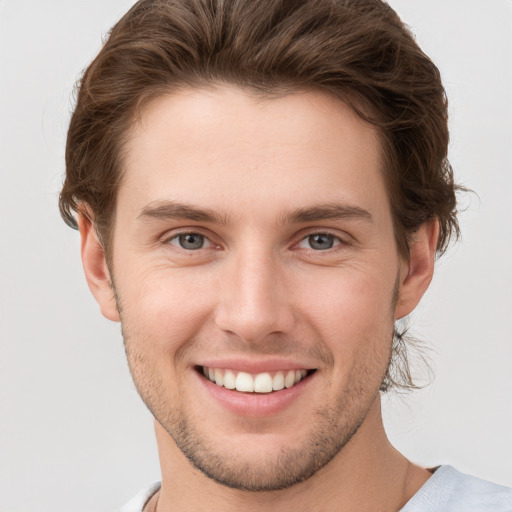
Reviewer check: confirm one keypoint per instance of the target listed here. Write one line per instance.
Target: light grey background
(73, 434)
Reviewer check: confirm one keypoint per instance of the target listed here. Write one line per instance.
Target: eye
(319, 242)
(190, 241)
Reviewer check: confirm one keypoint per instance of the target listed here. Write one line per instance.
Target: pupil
(321, 242)
(191, 241)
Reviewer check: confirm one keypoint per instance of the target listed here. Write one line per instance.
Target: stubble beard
(332, 426)
(287, 468)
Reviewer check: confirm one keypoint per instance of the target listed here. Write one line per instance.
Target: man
(261, 189)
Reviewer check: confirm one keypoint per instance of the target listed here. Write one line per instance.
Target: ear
(95, 268)
(417, 274)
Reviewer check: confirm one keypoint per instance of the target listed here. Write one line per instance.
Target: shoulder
(449, 490)
(136, 504)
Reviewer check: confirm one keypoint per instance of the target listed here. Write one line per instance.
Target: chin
(262, 462)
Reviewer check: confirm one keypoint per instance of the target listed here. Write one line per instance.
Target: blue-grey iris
(321, 241)
(191, 241)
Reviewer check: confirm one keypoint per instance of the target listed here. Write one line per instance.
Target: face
(257, 279)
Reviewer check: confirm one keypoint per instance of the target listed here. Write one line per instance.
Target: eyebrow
(164, 210)
(329, 211)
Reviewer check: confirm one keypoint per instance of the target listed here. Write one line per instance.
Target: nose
(253, 302)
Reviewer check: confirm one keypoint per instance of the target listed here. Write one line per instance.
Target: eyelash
(177, 237)
(337, 241)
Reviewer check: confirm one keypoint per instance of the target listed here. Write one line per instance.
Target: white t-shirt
(447, 490)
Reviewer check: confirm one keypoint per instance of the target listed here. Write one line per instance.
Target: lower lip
(256, 404)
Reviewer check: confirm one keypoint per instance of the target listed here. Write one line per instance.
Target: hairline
(152, 95)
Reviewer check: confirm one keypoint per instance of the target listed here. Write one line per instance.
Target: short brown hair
(358, 50)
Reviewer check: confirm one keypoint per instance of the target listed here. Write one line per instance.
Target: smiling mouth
(266, 382)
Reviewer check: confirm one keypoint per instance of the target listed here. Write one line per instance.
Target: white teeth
(263, 383)
(289, 380)
(244, 382)
(260, 383)
(278, 381)
(219, 378)
(229, 380)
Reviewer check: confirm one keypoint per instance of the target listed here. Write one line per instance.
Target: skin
(259, 290)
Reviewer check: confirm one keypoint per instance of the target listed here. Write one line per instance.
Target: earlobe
(417, 275)
(96, 269)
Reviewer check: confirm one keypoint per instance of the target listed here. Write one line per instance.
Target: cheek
(352, 312)
(163, 308)
(160, 316)
(348, 298)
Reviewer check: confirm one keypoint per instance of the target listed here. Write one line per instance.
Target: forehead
(229, 149)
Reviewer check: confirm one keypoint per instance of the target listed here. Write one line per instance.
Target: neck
(368, 474)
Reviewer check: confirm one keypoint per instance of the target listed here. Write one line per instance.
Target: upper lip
(255, 366)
